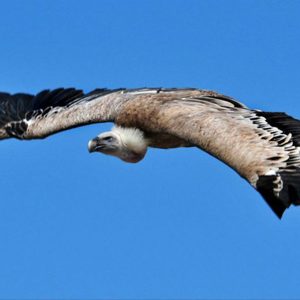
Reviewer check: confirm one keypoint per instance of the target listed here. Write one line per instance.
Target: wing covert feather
(228, 133)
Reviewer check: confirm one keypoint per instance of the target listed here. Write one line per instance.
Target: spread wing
(27, 116)
(262, 147)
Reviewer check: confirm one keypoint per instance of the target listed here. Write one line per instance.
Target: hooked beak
(94, 145)
(101, 145)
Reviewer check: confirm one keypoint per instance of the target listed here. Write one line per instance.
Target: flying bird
(262, 147)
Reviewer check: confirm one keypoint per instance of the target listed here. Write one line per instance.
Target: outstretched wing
(261, 147)
(26, 116)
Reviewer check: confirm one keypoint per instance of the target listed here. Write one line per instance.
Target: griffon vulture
(263, 147)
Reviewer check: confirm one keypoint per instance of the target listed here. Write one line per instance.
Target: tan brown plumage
(262, 147)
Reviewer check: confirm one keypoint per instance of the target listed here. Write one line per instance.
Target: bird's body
(262, 147)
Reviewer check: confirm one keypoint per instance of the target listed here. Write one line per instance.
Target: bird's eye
(108, 139)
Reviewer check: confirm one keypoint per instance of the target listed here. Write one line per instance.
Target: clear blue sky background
(180, 224)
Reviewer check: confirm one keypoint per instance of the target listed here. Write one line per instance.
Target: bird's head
(128, 144)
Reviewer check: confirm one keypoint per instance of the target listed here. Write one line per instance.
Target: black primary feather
(17, 107)
(289, 194)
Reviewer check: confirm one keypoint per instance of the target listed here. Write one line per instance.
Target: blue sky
(179, 224)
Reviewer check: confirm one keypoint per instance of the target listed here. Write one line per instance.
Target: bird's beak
(100, 145)
(94, 145)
